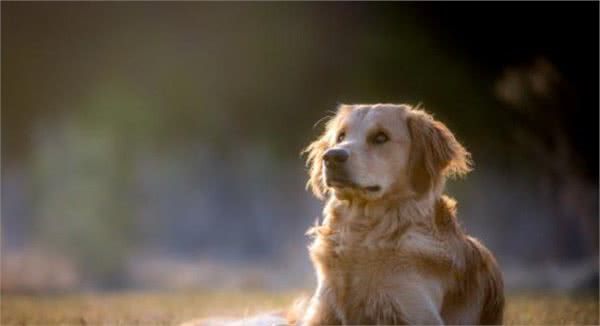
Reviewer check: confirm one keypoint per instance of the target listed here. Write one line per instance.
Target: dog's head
(373, 151)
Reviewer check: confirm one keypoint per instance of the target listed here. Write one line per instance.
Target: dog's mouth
(373, 188)
(349, 184)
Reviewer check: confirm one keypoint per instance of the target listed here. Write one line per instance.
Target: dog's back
(477, 293)
(492, 286)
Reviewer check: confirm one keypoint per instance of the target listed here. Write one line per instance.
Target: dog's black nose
(335, 156)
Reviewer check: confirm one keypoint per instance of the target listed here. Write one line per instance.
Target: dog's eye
(340, 137)
(379, 138)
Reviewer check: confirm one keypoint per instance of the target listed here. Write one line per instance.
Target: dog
(389, 249)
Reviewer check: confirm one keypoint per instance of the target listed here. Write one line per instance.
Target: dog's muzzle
(336, 174)
(335, 157)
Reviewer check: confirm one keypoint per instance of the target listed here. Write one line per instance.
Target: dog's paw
(258, 320)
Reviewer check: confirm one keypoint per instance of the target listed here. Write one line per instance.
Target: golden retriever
(389, 249)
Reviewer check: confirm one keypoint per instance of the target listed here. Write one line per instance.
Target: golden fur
(389, 249)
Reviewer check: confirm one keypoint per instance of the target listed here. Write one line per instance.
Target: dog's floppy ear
(315, 151)
(314, 160)
(435, 152)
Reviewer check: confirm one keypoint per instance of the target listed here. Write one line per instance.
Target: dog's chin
(349, 190)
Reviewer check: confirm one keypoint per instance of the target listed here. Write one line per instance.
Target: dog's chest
(361, 282)
(363, 278)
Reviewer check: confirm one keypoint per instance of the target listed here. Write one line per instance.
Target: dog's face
(367, 151)
(373, 151)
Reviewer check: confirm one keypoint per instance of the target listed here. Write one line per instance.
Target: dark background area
(156, 145)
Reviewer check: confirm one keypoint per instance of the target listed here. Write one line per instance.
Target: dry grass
(169, 309)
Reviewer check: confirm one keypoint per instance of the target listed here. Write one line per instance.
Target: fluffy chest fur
(363, 253)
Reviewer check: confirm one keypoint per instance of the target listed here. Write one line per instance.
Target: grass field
(169, 309)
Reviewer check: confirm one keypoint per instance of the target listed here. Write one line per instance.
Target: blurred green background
(154, 145)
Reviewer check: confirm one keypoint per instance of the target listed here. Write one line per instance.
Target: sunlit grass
(551, 310)
(169, 309)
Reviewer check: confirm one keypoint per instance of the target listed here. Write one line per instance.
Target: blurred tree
(547, 117)
(83, 175)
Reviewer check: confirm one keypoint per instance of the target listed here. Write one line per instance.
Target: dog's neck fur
(351, 223)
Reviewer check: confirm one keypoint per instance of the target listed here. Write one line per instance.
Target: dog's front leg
(321, 309)
(419, 300)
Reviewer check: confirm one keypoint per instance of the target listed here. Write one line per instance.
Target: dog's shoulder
(444, 218)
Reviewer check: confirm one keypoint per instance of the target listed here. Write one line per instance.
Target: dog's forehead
(367, 116)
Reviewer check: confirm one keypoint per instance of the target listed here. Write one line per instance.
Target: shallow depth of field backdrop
(155, 146)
